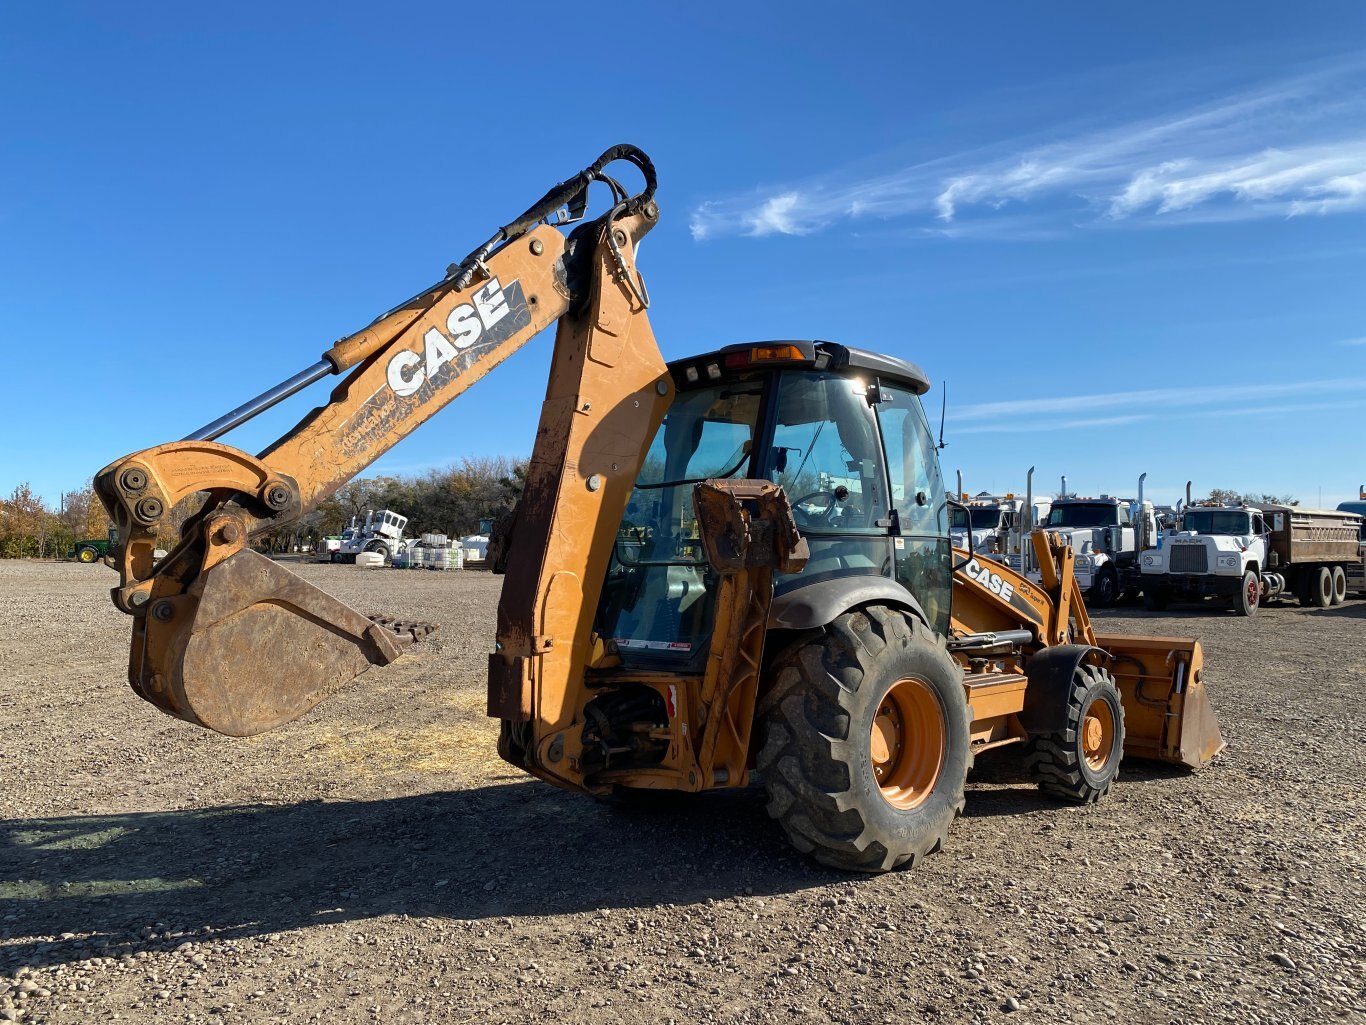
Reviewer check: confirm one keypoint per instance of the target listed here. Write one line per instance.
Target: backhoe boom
(206, 613)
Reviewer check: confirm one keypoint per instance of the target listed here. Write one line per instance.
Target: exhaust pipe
(1141, 532)
(1027, 521)
(1063, 492)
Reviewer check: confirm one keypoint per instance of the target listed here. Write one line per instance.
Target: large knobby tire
(1339, 585)
(1155, 599)
(381, 550)
(1249, 595)
(866, 746)
(1104, 589)
(1319, 588)
(87, 555)
(1079, 762)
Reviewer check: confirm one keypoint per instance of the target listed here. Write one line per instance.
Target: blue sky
(1130, 239)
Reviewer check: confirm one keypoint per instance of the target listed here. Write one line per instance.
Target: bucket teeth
(403, 631)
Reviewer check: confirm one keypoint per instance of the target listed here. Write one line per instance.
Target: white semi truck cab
(1218, 550)
(987, 520)
(1107, 534)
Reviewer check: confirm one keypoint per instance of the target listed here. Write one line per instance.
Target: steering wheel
(816, 518)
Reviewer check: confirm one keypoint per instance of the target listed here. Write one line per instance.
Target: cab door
(923, 558)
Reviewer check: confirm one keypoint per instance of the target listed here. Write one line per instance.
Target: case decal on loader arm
(1168, 716)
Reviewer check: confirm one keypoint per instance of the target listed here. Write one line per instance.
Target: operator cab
(840, 429)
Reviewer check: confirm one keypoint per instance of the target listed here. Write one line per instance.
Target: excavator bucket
(249, 646)
(1167, 712)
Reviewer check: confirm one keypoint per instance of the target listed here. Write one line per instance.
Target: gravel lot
(376, 862)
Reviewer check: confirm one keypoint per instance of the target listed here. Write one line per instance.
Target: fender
(819, 603)
(1050, 675)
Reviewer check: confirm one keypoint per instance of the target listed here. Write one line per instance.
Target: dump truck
(1247, 555)
(729, 566)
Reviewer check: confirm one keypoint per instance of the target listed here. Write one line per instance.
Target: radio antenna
(943, 412)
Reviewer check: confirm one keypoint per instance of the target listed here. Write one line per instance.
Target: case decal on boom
(991, 581)
(495, 313)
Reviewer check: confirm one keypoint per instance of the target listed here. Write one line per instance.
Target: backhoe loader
(729, 563)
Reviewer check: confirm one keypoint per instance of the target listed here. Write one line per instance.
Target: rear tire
(1105, 589)
(1156, 600)
(1080, 762)
(1249, 595)
(866, 744)
(1339, 585)
(87, 555)
(382, 551)
(1319, 588)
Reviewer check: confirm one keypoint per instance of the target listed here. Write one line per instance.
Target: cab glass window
(922, 553)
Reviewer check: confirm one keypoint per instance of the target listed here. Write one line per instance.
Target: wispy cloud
(1353, 341)
(1119, 408)
(1292, 147)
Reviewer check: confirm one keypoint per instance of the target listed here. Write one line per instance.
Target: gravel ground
(376, 862)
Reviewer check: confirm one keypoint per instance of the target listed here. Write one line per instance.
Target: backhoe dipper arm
(208, 613)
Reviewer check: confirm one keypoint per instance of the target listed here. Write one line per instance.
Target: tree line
(450, 501)
(32, 529)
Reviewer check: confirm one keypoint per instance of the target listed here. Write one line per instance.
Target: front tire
(1080, 761)
(1249, 595)
(87, 555)
(382, 551)
(1105, 590)
(1339, 585)
(866, 745)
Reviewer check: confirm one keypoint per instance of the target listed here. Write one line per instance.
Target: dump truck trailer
(733, 563)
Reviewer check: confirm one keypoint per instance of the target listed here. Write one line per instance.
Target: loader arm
(227, 639)
(1000, 614)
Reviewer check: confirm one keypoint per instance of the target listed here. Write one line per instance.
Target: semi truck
(980, 522)
(999, 525)
(1107, 533)
(1247, 555)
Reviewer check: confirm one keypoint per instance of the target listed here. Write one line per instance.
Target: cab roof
(818, 355)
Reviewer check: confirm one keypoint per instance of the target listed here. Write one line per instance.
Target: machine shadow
(1000, 786)
(1353, 610)
(493, 851)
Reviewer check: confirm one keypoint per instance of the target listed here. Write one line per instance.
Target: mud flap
(1167, 712)
(249, 646)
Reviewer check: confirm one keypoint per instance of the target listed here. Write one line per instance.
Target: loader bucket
(1167, 712)
(250, 646)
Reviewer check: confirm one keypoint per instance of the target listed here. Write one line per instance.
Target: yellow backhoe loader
(733, 562)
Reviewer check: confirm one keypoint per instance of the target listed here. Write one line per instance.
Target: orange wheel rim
(1098, 734)
(908, 742)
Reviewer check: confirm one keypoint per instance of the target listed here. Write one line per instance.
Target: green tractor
(94, 549)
